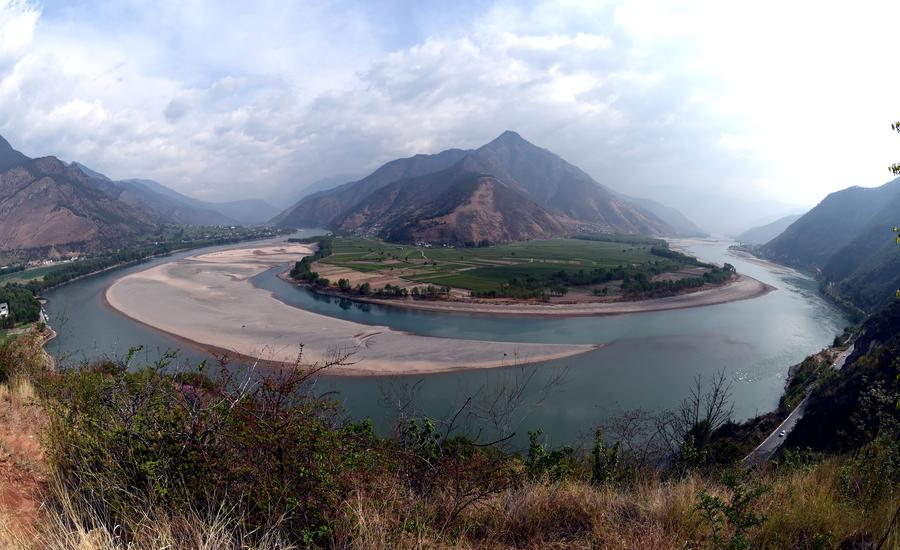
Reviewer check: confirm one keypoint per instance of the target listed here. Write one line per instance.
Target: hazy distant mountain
(173, 207)
(679, 222)
(247, 211)
(166, 208)
(765, 233)
(50, 207)
(242, 212)
(847, 239)
(323, 184)
(505, 179)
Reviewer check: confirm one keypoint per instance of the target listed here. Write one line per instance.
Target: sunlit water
(648, 360)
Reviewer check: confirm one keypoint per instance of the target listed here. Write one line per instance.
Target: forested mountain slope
(847, 241)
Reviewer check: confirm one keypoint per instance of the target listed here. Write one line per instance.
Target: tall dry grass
(805, 508)
(71, 524)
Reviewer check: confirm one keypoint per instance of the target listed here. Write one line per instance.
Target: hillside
(163, 208)
(847, 241)
(170, 206)
(455, 205)
(765, 233)
(9, 157)
(47, 207)
(859, 403)
(323, 208)
(680, 223)
(520, 172)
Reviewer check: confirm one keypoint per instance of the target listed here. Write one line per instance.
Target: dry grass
(74, 525)
(803, 509)
(807, 508)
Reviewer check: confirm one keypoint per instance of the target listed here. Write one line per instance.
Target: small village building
(4, 310)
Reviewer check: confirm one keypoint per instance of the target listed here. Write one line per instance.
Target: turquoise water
(648, 360)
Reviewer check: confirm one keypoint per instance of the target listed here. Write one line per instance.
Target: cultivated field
(28, 274)
(485, 269)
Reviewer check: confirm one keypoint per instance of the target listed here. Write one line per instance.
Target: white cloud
(789, 101)
(17, 22)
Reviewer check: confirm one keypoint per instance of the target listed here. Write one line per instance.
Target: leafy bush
(269, 451)
(730, 519)
(555, 465)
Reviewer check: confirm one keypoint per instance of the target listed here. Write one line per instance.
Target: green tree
(895, 168)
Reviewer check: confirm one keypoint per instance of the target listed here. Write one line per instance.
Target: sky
(729, 111)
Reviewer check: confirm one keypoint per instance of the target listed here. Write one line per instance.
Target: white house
(4, 310)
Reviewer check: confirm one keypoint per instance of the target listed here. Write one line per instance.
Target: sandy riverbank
(208, 299)
(742, 288)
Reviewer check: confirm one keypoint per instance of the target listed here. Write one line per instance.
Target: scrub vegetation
(151, 455)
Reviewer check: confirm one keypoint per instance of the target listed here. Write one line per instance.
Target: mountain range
(765, 233)
(847, 240)
(50, 207)
(506, 190)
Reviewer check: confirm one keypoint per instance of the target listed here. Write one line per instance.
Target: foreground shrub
(271, 453)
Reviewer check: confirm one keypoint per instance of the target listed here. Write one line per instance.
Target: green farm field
(28, 274)
(485, 269)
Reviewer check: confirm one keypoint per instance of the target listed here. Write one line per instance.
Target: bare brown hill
(531, 190)
(47, 205)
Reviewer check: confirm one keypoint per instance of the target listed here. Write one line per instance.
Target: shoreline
(351, 370)
(208, 301)
(743, 287)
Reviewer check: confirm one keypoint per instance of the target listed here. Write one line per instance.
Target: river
(649, 359)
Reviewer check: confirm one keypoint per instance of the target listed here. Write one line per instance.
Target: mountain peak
(9, 157)
(509, 136)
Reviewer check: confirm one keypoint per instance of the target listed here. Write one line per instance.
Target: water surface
(649, 359)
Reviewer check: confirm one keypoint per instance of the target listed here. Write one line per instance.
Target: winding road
(767, 448)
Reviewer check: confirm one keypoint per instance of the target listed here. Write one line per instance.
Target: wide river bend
(648, 360)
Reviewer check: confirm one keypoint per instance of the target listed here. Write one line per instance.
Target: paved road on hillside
(771, 444)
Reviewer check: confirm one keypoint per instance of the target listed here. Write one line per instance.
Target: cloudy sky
(770, 103)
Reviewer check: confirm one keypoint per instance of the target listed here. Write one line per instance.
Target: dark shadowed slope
(847, 240)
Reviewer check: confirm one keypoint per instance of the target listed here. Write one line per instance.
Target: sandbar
(209, 299)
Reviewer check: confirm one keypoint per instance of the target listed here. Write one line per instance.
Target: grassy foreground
(143, 459)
